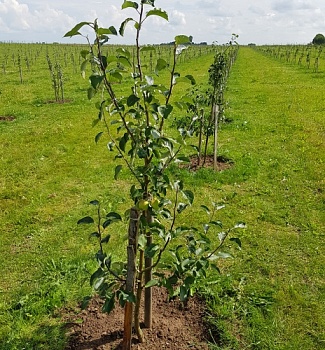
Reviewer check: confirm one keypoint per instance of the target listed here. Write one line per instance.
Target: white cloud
(263, 21)
(51, 20)
(177, 18)
(18, 18)
(15, 16)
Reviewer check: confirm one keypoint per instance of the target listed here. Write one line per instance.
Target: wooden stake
(130, 278)
(216, 117)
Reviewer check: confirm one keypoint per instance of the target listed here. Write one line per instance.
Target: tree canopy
(319, 39)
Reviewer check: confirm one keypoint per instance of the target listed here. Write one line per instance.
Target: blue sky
(261, 22)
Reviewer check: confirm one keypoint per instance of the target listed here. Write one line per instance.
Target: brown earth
(7, 118)
(175, 326)
(223, 163)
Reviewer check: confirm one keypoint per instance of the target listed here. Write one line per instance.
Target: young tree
(135, 127)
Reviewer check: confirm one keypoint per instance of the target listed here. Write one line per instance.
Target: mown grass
(271, 296)
(276, 298)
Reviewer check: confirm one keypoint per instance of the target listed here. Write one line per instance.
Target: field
(271, 295)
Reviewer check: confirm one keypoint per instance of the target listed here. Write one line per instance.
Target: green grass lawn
(276, 298)
(270, 296)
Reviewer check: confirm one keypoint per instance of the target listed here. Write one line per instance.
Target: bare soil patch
(175, 326)
(59, 102)
(223, 163)
(7, 118)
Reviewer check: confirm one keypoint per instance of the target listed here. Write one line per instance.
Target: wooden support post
(216, 120)
(131, 276)
(148, 291)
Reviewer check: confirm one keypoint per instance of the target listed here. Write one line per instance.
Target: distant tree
(191, 39)
(319, 39)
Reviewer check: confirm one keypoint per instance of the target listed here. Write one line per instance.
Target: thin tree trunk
(200, 137)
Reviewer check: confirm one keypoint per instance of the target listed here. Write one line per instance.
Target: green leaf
(224, 255)
(236, 240)
(123, 52)
(103, 59)
(181, 207)
(115, 76)
(85, 302)
(161, 64)
(75, 30)
(191, 79)
(109, 304)
(142, 241)
(132, 100)
(110, 218)
(216, 223)
(164, 111)
(189, 280)
(117, 171)
(150, 80)
(106, 239)
(110, 146)
(186, 263)
(84, 54)
(94, 234)
(152, 250)
(181, 40)
(240, 225)
(155, 133)
(148, 2)
(222, 236)
(151, 283)
(110, 31)
(98, 283)
(215, 267)
(198, 251)
(180, 49)
(207, 210)
(182, 159)
(95, 80)
(111, 59)
(147, 48)
(96, 121)
(189, 195)
(83, 68)
(114, 216)
(183, 293)
(128, 4)
(118, 267)
(124, 61)
(178, 185)
(86, 220)
(158, 12)
(123, 142)
(123, 25)
(98, 136)
(131, 298)
(91, 92)
(184, 80)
